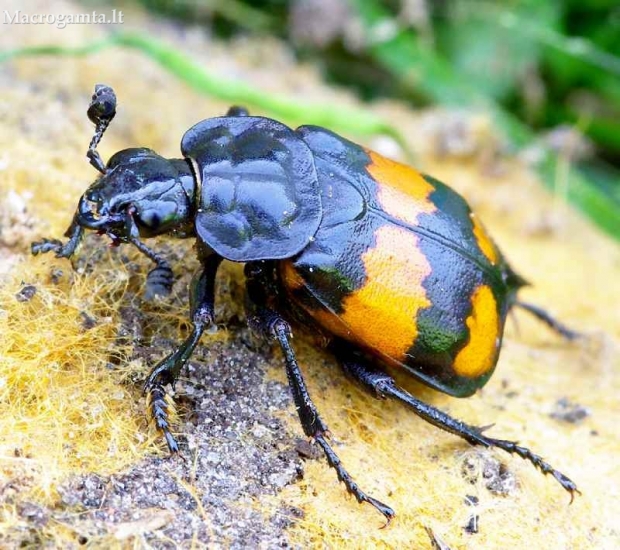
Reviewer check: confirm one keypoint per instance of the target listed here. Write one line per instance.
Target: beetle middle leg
(167, 371)
(384, 386)
(271, 324)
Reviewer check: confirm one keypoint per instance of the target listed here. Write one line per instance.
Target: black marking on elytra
(332, 265)
(442, 328)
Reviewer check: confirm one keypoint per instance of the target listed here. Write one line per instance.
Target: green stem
(349, 120)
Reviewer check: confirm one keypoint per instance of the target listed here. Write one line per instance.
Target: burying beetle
(390, 265)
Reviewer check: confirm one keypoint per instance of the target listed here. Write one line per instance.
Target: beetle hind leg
(384, 386)
(550, 321)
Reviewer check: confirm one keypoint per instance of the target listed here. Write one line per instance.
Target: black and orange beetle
(390, 265)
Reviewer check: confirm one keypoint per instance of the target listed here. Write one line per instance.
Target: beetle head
(139, 193)
(139, 190)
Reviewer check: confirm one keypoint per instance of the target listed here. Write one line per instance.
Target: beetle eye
(150, 218)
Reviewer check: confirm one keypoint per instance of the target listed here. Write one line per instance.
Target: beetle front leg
(271, 324)
(384, 385)
(74, 232)
(160, 279)
(167, 371)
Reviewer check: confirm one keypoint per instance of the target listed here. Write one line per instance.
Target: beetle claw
(46, 245)
(572, 493)
(566, 483)
(387, 512)
(173, 446)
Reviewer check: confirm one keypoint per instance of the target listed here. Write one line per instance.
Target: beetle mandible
(390, 265)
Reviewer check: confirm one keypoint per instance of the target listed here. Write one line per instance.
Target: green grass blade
(401, 55)
(361, 122)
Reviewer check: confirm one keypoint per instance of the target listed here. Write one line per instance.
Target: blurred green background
(548, 72)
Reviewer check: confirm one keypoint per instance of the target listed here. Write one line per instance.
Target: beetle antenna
(101, 111)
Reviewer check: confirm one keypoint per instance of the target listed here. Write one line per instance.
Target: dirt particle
(567, 411)
(472, 526)
(26, 293)
(305, 449)
(33, 513)
(496, 477)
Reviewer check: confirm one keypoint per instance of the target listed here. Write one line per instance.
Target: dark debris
(305, 449)
(497, 478)
(473, 524)
(88, 321)
(567, 411)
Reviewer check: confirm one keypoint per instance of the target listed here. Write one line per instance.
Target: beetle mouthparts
(92, 220)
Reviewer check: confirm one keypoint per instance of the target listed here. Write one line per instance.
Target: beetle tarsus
(550, 321)
(158, 407)
(66, 250)
(352, 487)
(46, 245)
(383, 385)
(513, 448)
(167, 372)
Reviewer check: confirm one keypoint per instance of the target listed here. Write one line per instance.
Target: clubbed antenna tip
(101, 111)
